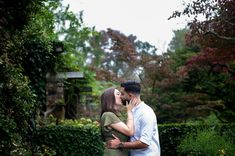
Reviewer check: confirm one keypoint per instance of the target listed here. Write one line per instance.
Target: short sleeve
(109, 118)
(147, 123)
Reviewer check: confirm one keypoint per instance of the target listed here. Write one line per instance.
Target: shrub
(206, 142)
(170, 135)
(78, 137)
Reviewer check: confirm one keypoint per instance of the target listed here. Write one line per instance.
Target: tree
(28, 38)
(178, 40)
(215, 37)
(118, 58)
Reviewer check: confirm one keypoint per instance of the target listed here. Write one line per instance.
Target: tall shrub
(16, 110)
(207, 142)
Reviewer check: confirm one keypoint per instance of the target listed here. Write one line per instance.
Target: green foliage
(32, 48)
(180, 57)
(178, 41)
(211, 70)
(172, 134)
(75, 36)
(38, 59)
(82, 137)
(73, 137)
(43, 150)
(219, 88)
(207, 143)
(16, 14)
(25, 53)
(16, 109)
(78, 50)
(191, 94)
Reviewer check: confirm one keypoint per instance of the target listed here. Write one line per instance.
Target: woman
(111, 123)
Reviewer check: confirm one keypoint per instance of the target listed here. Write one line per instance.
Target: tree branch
(230, 39)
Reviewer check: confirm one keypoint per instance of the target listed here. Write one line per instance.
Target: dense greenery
(206, 142)
(17, 97)
(17, 103)
(211, 71)
(171, 136)
(28, 43)
(192, 79)
(76, 137)
(72, 138)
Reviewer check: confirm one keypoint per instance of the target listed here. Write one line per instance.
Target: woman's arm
(128, 128)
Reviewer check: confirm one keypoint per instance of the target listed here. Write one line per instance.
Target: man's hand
(114, 143)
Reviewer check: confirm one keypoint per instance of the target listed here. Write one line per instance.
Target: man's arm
(116, 143)
(133, 145)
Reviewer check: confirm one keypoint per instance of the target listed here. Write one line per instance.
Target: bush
(206, 142)
(78, 137)
(170, 135)
(82, 137)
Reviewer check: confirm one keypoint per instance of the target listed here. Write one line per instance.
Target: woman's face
(125, 96)
(117, 95)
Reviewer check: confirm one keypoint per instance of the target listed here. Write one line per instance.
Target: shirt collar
(138, 106)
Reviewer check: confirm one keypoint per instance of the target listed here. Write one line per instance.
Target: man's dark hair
(131, 87)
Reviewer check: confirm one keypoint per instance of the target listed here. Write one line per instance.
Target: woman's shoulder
(108, 114)
(109, 117)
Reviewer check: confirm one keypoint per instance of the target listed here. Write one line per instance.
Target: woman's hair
(108, 101)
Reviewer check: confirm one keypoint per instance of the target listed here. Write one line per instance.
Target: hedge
(85, 139)
(70, 140)
(171, 134)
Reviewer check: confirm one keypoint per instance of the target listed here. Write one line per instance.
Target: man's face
(125, 96)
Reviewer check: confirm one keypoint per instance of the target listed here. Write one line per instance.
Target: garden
(53, 69)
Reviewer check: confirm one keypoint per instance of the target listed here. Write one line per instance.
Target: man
(145, 141)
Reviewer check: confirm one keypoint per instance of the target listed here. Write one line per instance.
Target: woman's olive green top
(106, 119)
